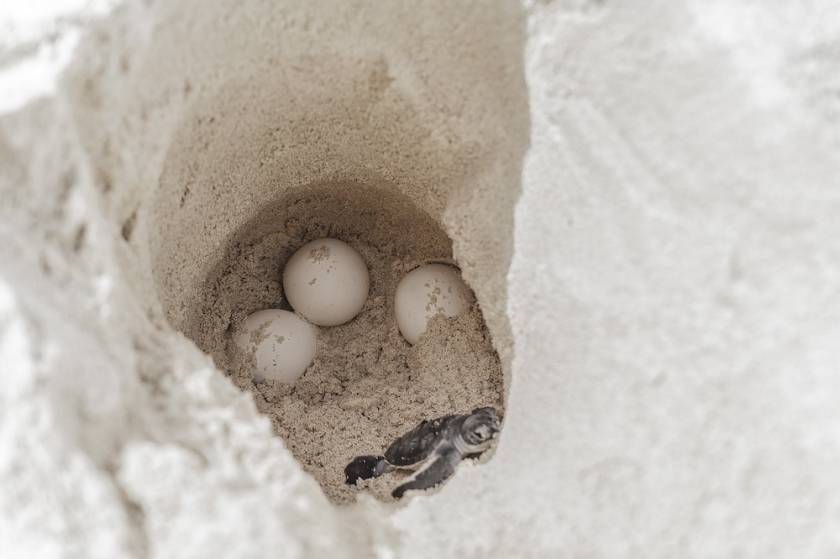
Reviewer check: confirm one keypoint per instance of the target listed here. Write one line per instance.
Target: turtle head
(480, 427)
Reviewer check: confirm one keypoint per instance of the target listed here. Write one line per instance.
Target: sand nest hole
(367, 385)
(407, 158)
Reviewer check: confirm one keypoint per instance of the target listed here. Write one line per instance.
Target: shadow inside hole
(367, 386)
(442, 113)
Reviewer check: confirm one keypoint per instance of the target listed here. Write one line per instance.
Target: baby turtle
(433, 450)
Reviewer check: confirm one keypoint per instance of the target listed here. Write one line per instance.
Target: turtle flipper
(364, 467)
(438, 469)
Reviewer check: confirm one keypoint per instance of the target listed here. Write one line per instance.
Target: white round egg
(425, 292)
(282, 343)
(327, 282)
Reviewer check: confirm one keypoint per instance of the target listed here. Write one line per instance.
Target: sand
(367, 385)
(642, 195)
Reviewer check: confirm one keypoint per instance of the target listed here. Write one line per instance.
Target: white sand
(663, 296)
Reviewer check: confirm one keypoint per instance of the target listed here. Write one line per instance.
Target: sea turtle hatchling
(433, 450)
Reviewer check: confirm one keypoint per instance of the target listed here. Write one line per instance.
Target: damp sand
(367, 385)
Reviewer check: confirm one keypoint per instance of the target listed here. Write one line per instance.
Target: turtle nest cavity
(367, 385)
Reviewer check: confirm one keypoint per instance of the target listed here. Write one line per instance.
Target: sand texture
(641, 194)
(367, 385)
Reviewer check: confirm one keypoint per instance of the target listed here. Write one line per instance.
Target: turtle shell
(416, 445)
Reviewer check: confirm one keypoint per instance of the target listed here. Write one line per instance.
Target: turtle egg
(327, 282)
(425, 292)
(282, 343)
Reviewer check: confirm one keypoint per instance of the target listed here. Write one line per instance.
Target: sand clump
(367, 385)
